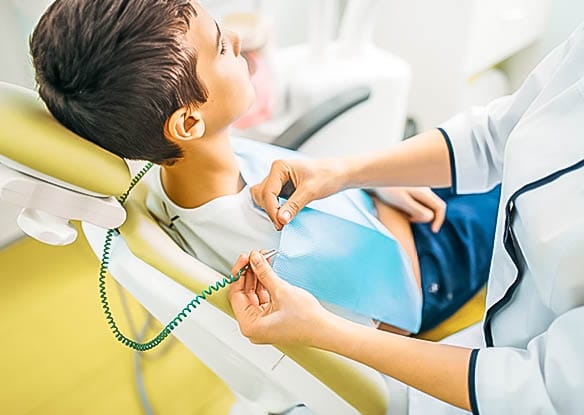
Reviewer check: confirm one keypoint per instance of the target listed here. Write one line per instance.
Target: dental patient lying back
(161, 81)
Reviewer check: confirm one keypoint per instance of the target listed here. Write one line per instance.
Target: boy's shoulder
(256, 158)
(243, 145)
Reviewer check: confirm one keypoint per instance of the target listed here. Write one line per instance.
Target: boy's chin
(252, 92)
(252, 99)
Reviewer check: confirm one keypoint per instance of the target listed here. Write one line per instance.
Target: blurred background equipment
(337, 57)
(457, 49)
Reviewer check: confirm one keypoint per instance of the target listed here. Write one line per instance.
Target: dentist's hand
(311, 179)
(421, 204)
(269, 310)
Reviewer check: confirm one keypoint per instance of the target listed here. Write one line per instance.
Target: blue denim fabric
(455, 262)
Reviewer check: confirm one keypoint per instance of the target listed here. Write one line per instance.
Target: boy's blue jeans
(455, 262)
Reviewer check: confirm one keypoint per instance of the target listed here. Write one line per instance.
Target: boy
(160, 81)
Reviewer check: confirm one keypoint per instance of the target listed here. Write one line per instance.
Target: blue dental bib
(336, 249)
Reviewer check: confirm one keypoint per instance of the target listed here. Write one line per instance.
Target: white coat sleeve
(476, 138)
(545, 378)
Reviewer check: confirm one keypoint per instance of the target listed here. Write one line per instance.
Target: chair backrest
(30, 136)
(53, 174)
(164, 278)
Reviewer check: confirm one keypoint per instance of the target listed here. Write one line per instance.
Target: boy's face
(222, 70)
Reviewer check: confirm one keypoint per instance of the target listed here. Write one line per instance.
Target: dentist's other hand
(269, 310)
(311, 179)
(421, 204)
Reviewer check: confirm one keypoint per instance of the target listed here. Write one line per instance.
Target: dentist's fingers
(280, 313)
(439, 218)
(242, 301)
(423, 206)
(261, 291)
(263, 296)
(265, 194)
(417, 211)
(433, 202)
(241, 262)
(264, 273)
(300, 198)
(250, 285)
(309, 179)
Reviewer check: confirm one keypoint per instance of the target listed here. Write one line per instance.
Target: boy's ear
(185, 124)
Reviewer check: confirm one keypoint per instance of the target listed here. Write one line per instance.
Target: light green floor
(58, 356)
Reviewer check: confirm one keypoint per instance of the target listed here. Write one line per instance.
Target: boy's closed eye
(221, 42)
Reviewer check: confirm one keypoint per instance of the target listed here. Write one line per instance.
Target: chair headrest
(30, 136)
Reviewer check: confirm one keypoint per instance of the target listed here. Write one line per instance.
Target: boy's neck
(208, 170)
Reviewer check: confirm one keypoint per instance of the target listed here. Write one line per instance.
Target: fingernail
(256, 258)
(286, 216)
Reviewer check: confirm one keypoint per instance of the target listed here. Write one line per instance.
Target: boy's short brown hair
(113, 71)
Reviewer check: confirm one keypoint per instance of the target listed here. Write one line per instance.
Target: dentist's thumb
(264, 272)
(293, 205)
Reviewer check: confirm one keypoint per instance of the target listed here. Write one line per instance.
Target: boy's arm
(420, 204)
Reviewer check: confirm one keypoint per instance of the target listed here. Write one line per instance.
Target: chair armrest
(319, 116)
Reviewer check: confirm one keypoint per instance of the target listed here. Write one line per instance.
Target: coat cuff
(469, 175)
(472, 392)
(452, 160)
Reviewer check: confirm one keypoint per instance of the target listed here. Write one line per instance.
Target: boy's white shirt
(217, 232)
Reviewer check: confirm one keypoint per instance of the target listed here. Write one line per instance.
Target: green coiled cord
(105, 258)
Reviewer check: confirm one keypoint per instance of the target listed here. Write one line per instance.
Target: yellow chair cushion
(29, 135)
(470, 313)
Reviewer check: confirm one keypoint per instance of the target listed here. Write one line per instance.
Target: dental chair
(56, 176)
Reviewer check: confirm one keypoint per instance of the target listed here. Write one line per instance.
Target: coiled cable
(105, 260)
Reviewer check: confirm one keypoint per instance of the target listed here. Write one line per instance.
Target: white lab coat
(533, 143)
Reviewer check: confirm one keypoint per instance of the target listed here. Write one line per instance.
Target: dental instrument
(266, 255)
